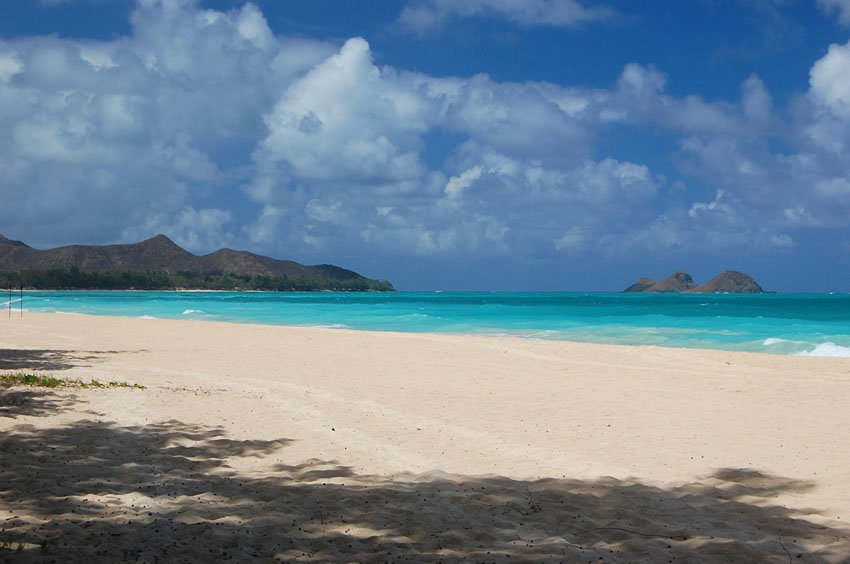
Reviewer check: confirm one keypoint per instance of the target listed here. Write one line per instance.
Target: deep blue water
(816, 324)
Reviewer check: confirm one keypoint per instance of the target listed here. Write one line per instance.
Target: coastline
(805, 325)
(741, 433)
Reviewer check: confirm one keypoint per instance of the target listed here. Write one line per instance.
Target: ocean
(798, 324)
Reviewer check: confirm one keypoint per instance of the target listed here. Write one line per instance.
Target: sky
(526, 145)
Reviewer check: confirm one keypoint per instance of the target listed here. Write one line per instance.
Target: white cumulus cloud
(129, 124)
(425, 15)
(830, 85)
(346, 120)
(839, 7)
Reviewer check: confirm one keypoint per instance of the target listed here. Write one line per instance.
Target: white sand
(273, 442)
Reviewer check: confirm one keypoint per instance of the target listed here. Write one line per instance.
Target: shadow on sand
(49, 359)
(172, 491)
(15, 402)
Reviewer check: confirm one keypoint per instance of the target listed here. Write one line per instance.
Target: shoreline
(395, 291)
(342, 327)
(637, 438)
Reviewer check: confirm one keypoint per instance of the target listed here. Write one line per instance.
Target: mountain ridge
(161, 254)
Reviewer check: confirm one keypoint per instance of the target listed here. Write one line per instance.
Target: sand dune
(255, 442)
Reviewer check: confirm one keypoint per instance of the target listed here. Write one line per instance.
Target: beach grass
(42, 381)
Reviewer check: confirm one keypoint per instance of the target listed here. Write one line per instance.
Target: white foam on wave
(793, 347)
(546, 334)
(146, 317)
(777, 341)
(826, 349)
(191, 311)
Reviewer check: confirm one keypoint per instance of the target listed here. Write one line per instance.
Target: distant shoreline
(398, 292)
(789, 324)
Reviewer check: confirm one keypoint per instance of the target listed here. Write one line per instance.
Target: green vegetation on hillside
(74, 279)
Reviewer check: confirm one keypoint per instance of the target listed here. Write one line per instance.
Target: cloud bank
(207, 126)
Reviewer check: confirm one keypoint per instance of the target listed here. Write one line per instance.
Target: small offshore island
(159, 263)
(728, 282)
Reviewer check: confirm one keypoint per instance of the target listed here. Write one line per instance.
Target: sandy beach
(263, 442)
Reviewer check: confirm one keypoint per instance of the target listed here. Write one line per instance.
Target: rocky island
(730, 281)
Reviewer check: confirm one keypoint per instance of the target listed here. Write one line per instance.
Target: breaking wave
(827, 349)
(806, 348)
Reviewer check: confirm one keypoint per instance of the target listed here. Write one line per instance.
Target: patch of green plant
(23, 379)
(38, 380)
(125, 385)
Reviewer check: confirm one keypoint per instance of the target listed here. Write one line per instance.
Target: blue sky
(485, 144)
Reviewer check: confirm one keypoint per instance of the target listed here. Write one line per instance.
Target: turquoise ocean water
(804, 324)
